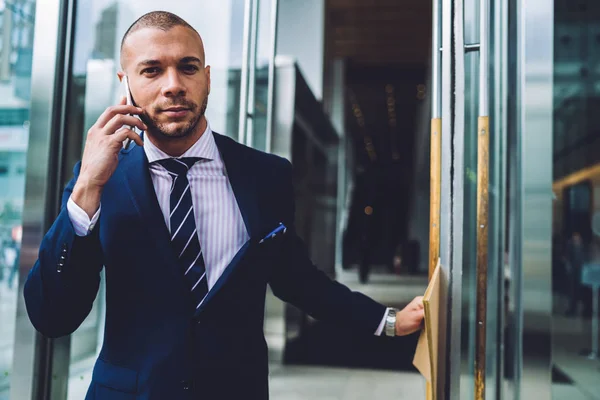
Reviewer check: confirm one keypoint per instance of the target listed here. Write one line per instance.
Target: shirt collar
(204, 148)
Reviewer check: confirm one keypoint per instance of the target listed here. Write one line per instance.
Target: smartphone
(125, 81)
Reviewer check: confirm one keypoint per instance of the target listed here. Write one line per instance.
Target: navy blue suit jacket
(156, 346)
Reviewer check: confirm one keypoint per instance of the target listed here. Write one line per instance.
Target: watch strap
(390, 322)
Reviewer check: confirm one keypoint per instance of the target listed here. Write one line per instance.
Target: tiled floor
(318, 383)
(571, 337)
(569, 392)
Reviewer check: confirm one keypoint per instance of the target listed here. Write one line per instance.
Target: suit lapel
(135, 175)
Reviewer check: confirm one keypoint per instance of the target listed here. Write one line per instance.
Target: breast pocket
(114, 382)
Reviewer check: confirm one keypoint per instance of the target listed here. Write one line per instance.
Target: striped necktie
(184, 235)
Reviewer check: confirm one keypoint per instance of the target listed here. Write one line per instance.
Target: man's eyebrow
(190, 59)
(148, 63)
(184, 60)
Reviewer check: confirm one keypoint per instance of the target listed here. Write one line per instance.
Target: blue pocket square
(280, 229)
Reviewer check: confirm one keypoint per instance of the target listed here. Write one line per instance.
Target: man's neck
(175, 147)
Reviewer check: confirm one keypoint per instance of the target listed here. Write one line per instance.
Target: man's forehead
(150, 41)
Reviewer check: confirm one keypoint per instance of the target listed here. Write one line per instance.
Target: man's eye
(190, 68)
(151, 70)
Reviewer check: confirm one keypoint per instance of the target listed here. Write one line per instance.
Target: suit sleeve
(62, 285)
(298, 281)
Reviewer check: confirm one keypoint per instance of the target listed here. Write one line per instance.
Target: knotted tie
(184, 236)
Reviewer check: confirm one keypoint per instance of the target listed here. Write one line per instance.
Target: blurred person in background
(575, 257)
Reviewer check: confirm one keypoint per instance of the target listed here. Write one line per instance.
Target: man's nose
(173, 86)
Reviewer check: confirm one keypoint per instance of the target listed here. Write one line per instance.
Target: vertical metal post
(533, 191)
(245, 69)
(484, 57)
(500, 122)
(7, 25)
(252, 75)
(458, 207)
(446, 228)
(35, 357)
(436, 61)
(271, 83)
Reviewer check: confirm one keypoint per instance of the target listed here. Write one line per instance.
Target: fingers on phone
(125, 133)
(119, 120)
(115, 111)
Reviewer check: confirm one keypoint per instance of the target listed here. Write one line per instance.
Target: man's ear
(120, 75)
(207, 72)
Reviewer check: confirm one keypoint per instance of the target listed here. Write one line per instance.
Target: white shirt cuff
(382, 323)
(80, 220)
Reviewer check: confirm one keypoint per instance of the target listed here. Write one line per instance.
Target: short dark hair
(163, 20)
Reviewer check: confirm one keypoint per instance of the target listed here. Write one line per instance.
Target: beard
(163, 130)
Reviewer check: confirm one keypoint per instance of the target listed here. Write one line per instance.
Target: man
(576, 258)
(180, 220)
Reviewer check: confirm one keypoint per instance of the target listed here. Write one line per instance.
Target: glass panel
(16, 36)
(471, 26)
(576, 208)
(470, 223)
(94, 86)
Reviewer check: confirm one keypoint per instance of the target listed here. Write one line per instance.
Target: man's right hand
(101, 153)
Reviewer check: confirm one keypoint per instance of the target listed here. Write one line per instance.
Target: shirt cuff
(81, 221)
(382, 323)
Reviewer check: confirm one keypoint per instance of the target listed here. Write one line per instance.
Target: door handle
(483, 143)
(435, 187)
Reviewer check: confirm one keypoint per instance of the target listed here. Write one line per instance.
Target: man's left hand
(410, 318)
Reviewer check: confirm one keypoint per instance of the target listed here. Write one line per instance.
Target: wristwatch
(390, 322)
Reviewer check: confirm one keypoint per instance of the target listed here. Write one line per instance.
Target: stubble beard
(162, 130)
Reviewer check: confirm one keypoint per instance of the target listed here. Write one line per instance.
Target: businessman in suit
(182, 220)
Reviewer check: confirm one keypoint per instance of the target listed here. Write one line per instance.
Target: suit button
(185, 385)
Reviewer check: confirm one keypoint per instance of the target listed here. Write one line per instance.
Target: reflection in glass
(16, 35)
(576, 187)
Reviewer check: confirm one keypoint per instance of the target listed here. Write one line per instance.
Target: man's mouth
(176, 112)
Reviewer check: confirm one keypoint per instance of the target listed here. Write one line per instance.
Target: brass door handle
(483, 143)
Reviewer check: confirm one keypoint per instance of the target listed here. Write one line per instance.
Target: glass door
(500, 194)
(479, 151)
